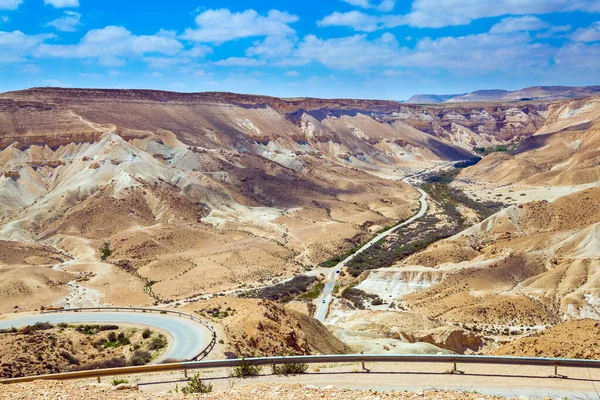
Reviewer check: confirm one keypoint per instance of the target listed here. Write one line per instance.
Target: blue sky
(382, 49)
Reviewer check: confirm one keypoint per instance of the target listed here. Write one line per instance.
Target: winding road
(326, 296)
(188, 338)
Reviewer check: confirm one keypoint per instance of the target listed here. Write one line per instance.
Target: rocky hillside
(573, 339)
(565, 151)
(548, 93)
(256, 328)
(180, 188)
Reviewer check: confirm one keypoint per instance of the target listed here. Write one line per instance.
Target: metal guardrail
(344, 358)
(202, 354)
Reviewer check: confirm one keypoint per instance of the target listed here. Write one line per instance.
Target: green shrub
(140, 357)
(41, 326)
(158, 342)
(69, 357)
(289, 369)
(118, 381)
(105, 250)
(195, 385)
(245, 369)
(146, 333)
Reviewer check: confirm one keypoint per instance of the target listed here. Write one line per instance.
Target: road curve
(188, 337)
(326, 296)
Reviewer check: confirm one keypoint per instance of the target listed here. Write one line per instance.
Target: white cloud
(441, 13)
(272, 47)
(292, 73)
(16, 46)
(578, 56)
(589, 34)
(384, 5)
(519, 24)
(67, 23)
(240, 62)
(154, 74)
(475, 53)
(219, 26)
(62, 3)
(10, 4)
(89, 75)
(199, 73)
(4, 19)
(354, 19)
(112, 44)
(352, 52)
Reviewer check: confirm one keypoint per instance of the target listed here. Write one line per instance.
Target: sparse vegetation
(418, 236)
(105, 251)
(283, 292)
(158, 342)
(195, 385)
(146, 333)
(289, 369)
(245, 369)
(118, 381)
(140, 357)
(313, 293)
(94, 329)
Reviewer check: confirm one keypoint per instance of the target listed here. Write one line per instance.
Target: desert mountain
(196, 193)
(547, 93)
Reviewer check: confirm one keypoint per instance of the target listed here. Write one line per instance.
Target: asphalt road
(188, 338)
(326, 296)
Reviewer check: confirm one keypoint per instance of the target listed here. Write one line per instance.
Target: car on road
(324, 301)
(337, 272)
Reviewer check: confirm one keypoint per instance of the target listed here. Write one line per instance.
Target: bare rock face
(457, 340)
(450, 338)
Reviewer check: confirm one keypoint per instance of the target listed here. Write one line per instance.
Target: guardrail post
(185, 373)
(556, 370)
(99, 379)
(454, 368)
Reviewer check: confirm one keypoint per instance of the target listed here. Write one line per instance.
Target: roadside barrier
(454, 360)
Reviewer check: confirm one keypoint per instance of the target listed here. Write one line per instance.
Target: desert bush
(283, 292)
(245, 369)
(146, 333)
(158, 342)
(93, 329)
(115, 362)
(41, 326)
(105, 250)
(69, 357)
(195, 385)
(289, 369)
(119, 381)
(140, 357)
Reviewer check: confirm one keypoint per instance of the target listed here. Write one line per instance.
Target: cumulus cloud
(441, 13)
(272, 47)
(292, 73)
(112, 44)
(384, 5)
(62, 3)
(67, 23)
(16, 46)
(475, 53)
(354, 19)
(589, 34)
(219, 26)
(578, 56)
(240, 62)
(519, 24)
(352, 52)
(10, 4)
